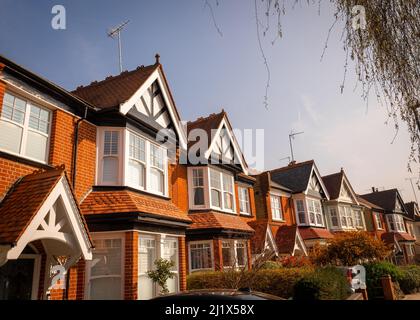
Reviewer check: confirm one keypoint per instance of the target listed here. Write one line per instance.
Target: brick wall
(77, 281)
(131, 266)
(260, 195)
(217, 254)
(182, 264)
(178, 184)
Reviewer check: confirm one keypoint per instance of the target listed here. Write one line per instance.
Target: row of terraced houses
(86, 187)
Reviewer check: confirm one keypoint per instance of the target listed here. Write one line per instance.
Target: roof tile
(217, 220)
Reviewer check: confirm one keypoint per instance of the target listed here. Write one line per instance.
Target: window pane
(226, 255)
(215, 198)
(156, 180)
(147, 254)
(198, 196)
(156, 156)
(228, 201)
(200, 256)
(36, 146)
(105, 288)
(136, 173)
(111, 142)
(137, 148)
(198, 178)
(10, 136)
(334, 217)
(227, 183)
(110, 170)
(39, 119)
(13, 108)
(241, 254)
(215, 179)
(244, 200)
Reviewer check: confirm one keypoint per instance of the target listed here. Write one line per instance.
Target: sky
(209, 70)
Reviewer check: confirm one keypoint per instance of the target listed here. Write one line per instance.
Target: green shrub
(279, 282)
(271, 265)
(409, 279)
(322, 284)
(375, 271)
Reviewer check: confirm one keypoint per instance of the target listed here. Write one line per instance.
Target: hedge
(326, 283)
(279, 282)
(375, 271)
(409, 279)
(323, 284)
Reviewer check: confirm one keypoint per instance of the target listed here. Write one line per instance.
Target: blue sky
(207, 71)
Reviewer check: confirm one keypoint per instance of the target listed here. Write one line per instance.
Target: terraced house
(221, 197)
(395, 214)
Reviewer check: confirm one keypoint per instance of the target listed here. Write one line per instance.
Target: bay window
(24, 128)
(349, 217)
(276, 212)
(105, 274)
(128, 158)
(244, 206)
(234, 254)
(227, 191)
(216, 189)
(395, 222)
(201, 257)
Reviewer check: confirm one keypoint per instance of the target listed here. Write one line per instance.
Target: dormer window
(24, 128)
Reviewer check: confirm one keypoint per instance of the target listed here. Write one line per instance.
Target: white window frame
(208, 188)
(233, 245)
(337, 215)
(190, 258)
(355, 212)
(302, 200)
(25, 129)
(398, 221)
(107, 236)
(315, 223)
(246, 202)
(100, 155)
(378, 221)
(273, 209)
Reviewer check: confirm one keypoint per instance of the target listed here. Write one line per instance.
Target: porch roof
(218, 220)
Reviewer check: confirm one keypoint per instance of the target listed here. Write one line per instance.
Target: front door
(16, 279)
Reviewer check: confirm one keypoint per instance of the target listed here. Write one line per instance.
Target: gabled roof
(212, 125)
(126, 201)
(217, 220)
(286, 239)
(296, 176)
(368, 204)
(385, 199)
(24, 200)
(334, 182)
(412, 210)
(115, 90)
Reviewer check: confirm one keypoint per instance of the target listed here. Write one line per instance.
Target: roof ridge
(290, 166)
(122, 74)
(210, 116)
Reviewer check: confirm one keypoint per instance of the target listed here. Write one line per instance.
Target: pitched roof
(23, 201)
(385, 199)
(115, 90)
(391, 237)
(411, 210)
(333, 184)
(368, 204)
(209, 124)
(126, 201)
(218, 220)
(286, 239)
(308, 233)
(258, 238)
(295, 176)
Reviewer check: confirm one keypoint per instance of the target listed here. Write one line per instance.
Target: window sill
(278, 220)
(24, 160)
(244, 214)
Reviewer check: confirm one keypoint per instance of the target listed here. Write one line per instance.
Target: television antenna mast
(116, 33)
(288, 159)
(412, 186)
(292, 136)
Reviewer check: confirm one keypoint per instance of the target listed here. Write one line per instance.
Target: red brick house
(221, 197)
(41, 226)
(276, 231)
(308, 193)
(395, 214)
(374, 216)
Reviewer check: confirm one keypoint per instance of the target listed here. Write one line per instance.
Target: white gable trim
(156, 75)
(315, 171)
(232, 138)
(269, 238)
(349, 187)
(78, 240)
(299, 244)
